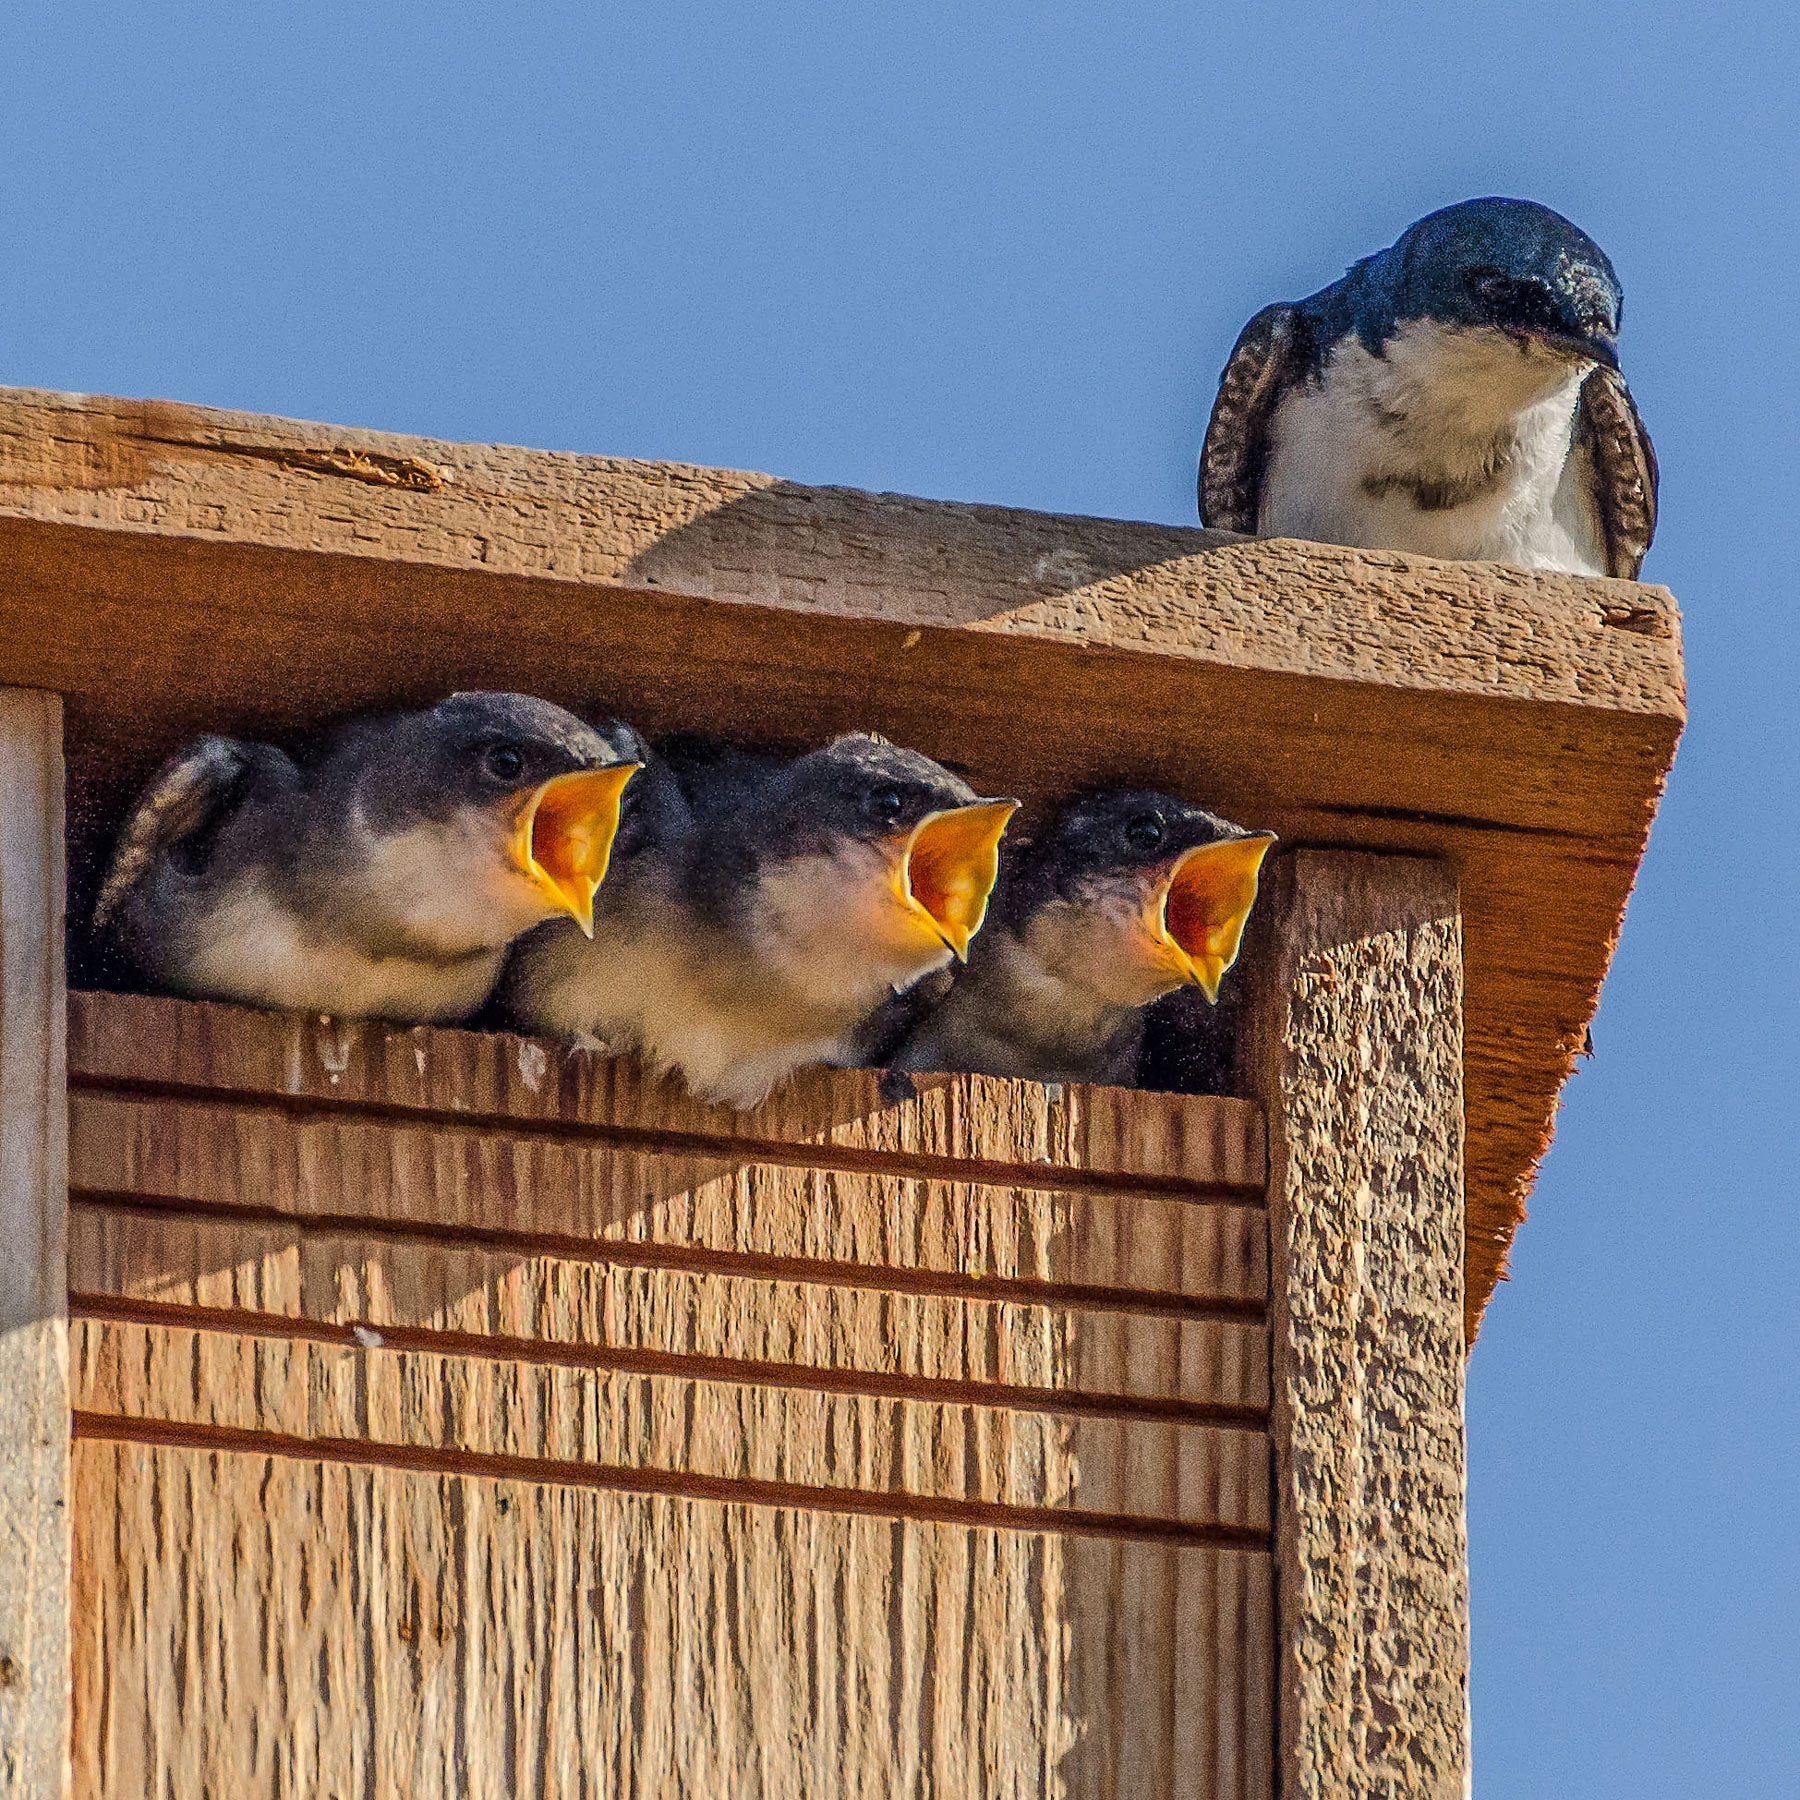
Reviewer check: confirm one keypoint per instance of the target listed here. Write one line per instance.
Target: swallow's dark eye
(884, 805)
(1144, 831)
(1509, 301)
(504, 762)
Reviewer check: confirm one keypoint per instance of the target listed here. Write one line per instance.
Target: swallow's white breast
(1454, 443)
(823, 942)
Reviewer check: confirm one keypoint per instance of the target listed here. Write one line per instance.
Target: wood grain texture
(517, 1189)
(454, 1416)
(388, 1635)
(373, 1129)
(34, 1350)
(704, 1433)
(966, 1126)
(157, 560)
(1357, 1047)
(622, 1316)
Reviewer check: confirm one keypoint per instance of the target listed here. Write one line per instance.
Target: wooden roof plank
(161, 561)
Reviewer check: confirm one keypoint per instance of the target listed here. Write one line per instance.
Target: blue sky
(999, 253)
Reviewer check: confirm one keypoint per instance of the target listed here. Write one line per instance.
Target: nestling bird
(761, 909)
(1124, 897)
(1457, 394)
(383, 879)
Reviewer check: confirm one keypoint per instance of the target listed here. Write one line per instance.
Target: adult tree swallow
(384, 877)
(761, 909)
(1457, 394)
(1125, 897)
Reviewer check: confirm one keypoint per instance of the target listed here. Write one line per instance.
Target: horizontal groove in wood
(360, 1334)
(683, 1260)
(438, 1460)
(655, 1141)
(1160, 1142)
(350, 1278)
(213, 1152)
(640, 1254)
(716, 1429)
(340, 1630)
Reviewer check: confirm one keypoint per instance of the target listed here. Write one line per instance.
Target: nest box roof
(171, 569)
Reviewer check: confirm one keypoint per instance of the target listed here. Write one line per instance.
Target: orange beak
(947, 868)
(563, 836)
(1202, 908)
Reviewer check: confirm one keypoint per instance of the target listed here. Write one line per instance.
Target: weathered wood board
(461, 1414)
(1356, 1048)
(283, 1627)
(34, 1345)
(158, 561)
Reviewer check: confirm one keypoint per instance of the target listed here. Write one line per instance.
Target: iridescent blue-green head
(1509, 265)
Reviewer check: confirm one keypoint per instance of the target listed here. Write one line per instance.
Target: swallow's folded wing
(1625, 475)
(1270, 355)
(192, 795)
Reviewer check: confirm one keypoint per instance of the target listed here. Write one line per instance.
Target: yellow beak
(1202, 911)
(949, 865)
(563, 836)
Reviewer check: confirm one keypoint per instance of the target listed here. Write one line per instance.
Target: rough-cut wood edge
(1356, 1045)
(1586, 673)
(34, 1343)
(955, 1126)
(1273, 604)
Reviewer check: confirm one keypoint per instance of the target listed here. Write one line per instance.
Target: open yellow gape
(563, 836)
(1203, 908)
(949, 866)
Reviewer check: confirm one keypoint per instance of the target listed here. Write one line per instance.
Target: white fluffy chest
(825, 943)
(1453, 443)
(447, 884)
(254, 950)
(829, 931)
(682, 1002)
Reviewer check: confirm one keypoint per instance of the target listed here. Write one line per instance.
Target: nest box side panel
(455, 1411)
(34, 1395)
(1357, 1048)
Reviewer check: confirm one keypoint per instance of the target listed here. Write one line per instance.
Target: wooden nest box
(433, 1413)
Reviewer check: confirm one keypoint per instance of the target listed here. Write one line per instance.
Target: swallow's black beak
(1533, 310)
(1603, 347)
(1598, 346)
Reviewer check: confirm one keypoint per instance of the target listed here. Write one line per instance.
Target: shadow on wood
(416, 1324)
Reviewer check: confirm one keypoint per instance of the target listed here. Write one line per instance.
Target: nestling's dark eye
(884, 805)
(504, 763)
(1144, 831)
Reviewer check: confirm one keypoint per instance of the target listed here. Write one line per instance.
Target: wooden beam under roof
(170, 569)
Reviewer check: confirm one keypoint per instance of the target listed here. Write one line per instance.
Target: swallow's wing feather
(718, 779)
(192, 796)
(881, 1036)
(1269, 356)
(1625, 476)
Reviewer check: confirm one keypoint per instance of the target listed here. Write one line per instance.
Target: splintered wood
(456, 1414)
